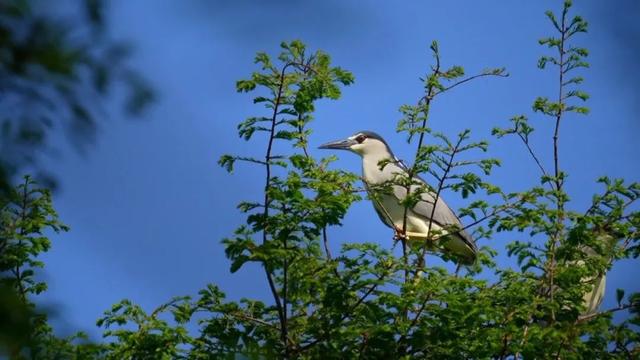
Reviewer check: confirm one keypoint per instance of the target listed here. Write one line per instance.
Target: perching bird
(593, 298)
(446, 228)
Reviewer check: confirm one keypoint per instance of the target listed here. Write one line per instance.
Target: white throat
(371, 161)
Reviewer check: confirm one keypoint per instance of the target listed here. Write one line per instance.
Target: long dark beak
(340, 144)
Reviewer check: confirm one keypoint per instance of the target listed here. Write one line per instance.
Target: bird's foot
(399, 234)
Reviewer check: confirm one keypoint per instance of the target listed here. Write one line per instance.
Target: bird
(379, 168)
(592, 299)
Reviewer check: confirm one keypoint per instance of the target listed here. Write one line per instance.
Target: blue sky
(148, 205)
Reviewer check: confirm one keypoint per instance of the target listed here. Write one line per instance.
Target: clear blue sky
(148, 206)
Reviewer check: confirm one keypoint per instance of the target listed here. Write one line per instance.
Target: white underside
(592, 299)
(416, 227)
(418, 230)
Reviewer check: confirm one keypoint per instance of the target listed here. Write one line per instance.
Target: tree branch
(609, 311)
(500, 74)
(344, 316)
(454, 151)
(281, 310)
(557, 180)
(535, 158)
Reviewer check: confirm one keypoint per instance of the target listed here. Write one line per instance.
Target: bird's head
(363, 143)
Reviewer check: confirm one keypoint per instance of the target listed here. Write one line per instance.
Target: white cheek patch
(357, 148)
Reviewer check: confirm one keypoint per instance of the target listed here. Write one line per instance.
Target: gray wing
(443, 216)
(458, 242)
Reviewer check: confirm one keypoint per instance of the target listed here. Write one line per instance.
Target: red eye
(360, 139)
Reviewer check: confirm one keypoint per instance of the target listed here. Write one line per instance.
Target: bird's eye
(360, 139)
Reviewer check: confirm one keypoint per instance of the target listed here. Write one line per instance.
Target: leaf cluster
(54, 72)
(27, 217)
(367, 301)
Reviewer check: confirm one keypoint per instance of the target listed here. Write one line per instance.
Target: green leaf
(619, 296)
(227, 161)
(245, 85)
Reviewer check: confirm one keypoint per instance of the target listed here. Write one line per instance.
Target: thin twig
(556, 161)
(285, 286)
(415, 319)
(23, 219)
(469, 79)
(281, 313)
(454, 151)
(425, 110)
(255, 320)
(260, 322)
(482, 219)
(609, 311)
(505, 346)
(344, 316)
(535, 158)
(325, 241)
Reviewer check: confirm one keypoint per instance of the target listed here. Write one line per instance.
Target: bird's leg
(421, 263)
(399, 234)
(416, 235)
(458, 267)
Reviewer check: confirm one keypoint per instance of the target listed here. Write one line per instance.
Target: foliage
(53, 73)
(367, 302)
(26, 215)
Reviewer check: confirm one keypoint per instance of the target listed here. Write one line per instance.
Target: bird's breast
(388, 204)
(373, 174)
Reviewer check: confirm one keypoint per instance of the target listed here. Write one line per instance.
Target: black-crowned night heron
(593, 298)
(380, 167)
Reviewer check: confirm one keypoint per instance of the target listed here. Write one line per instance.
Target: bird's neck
(371, 166)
